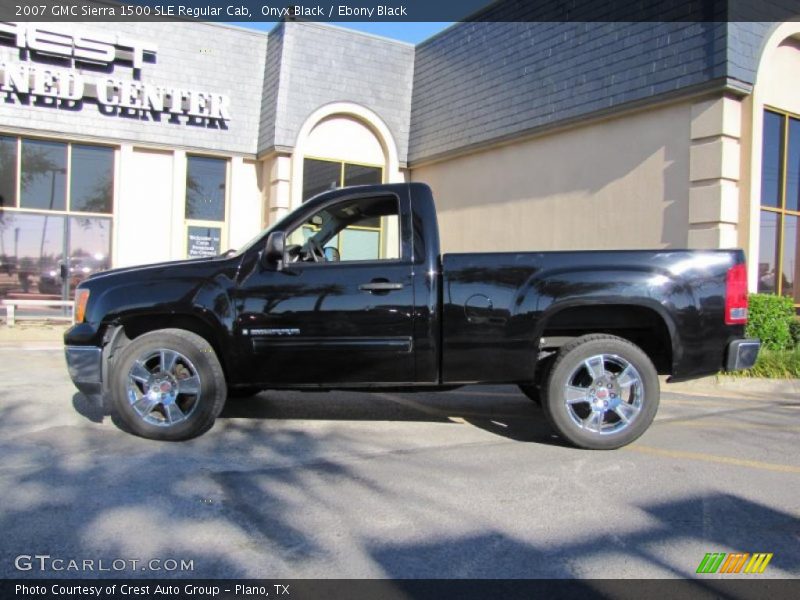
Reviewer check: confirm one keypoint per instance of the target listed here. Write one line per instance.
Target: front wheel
(168, 385)
(601, 393)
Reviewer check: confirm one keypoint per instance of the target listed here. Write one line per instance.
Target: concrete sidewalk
(33, 332)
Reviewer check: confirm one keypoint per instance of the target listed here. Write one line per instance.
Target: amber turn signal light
(81, 299)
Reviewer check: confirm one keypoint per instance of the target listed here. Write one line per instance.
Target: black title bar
(402, 10)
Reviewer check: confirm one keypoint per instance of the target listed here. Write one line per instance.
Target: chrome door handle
(380, 286)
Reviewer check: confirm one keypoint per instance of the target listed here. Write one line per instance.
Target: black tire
(197, 366)
(534, 390)
(615, 427)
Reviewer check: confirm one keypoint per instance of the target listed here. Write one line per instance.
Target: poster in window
(203, 241)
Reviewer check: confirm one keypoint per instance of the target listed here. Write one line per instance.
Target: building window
(44, 175)
(779, 250)
(8, 171)
(92, 181)
(56, 204)
(320, 176)
(206, 179)
(323, 175)
(205, 188)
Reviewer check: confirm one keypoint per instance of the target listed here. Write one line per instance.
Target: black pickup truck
(350, 292)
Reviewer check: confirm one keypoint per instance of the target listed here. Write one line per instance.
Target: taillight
(81, 299)
(736, 295)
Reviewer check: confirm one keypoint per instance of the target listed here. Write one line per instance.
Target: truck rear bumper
(85, 365)
(742, 354)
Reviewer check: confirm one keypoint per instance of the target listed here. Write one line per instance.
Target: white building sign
(47, 85)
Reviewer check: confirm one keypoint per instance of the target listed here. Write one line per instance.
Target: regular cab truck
(350, 292)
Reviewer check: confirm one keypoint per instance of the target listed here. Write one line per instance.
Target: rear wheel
(168, 385)
(602, 392)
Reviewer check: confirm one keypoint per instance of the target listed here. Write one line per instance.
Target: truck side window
(352, 230)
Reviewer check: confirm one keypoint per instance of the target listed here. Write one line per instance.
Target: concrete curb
(720, 384)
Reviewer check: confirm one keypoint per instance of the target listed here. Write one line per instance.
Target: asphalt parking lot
(469, 483)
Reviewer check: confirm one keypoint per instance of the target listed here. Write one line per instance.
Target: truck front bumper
(742, 354)
(85, 365)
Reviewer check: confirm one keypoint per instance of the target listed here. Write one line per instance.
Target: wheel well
(642, 326)
(139, 325)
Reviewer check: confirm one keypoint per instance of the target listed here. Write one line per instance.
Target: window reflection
(772, 159)
(320, 176)
(362, 175)
(91, 179)
(45, 254)
(205, 188)
(793, 167)
(8, 171)
(767, 252)
(43, 175)
(90, 247)
(31, 249)
(789, 266)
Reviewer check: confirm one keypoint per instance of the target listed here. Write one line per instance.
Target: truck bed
(498, 307)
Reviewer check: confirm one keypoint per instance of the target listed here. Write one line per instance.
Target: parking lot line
(713, 458)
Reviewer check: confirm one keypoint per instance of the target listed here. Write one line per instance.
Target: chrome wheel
(604, 394)
(163, 387)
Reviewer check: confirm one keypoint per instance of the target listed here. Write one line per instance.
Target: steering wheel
(315, 250)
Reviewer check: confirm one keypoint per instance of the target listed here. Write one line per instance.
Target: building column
(714, 172)
(279, 174)
(178, 230)
(122, 164)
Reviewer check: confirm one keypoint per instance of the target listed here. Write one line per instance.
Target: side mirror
(275, 248)
(332, 254)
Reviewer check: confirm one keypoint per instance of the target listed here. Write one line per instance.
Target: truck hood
(153, 268)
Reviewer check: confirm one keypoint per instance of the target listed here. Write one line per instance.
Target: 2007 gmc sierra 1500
(350, 292)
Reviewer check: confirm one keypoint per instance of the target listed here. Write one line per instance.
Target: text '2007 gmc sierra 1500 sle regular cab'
(350, 292)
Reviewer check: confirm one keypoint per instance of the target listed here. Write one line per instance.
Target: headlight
(81, 300)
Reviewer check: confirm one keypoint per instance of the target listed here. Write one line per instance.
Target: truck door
(341, 309)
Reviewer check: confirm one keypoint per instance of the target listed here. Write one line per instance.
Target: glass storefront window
(767, 263)
(205, 188)
(8, 171)
(32, 247)
(779, 247)
(772, 159)
(789, 263)
(43, 175)
(48, 241)
(91, 179)
(793, 167)
(362, 175)
(320, 176)
(323, 175)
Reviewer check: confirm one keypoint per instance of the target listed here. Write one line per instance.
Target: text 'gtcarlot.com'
(45, 562)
